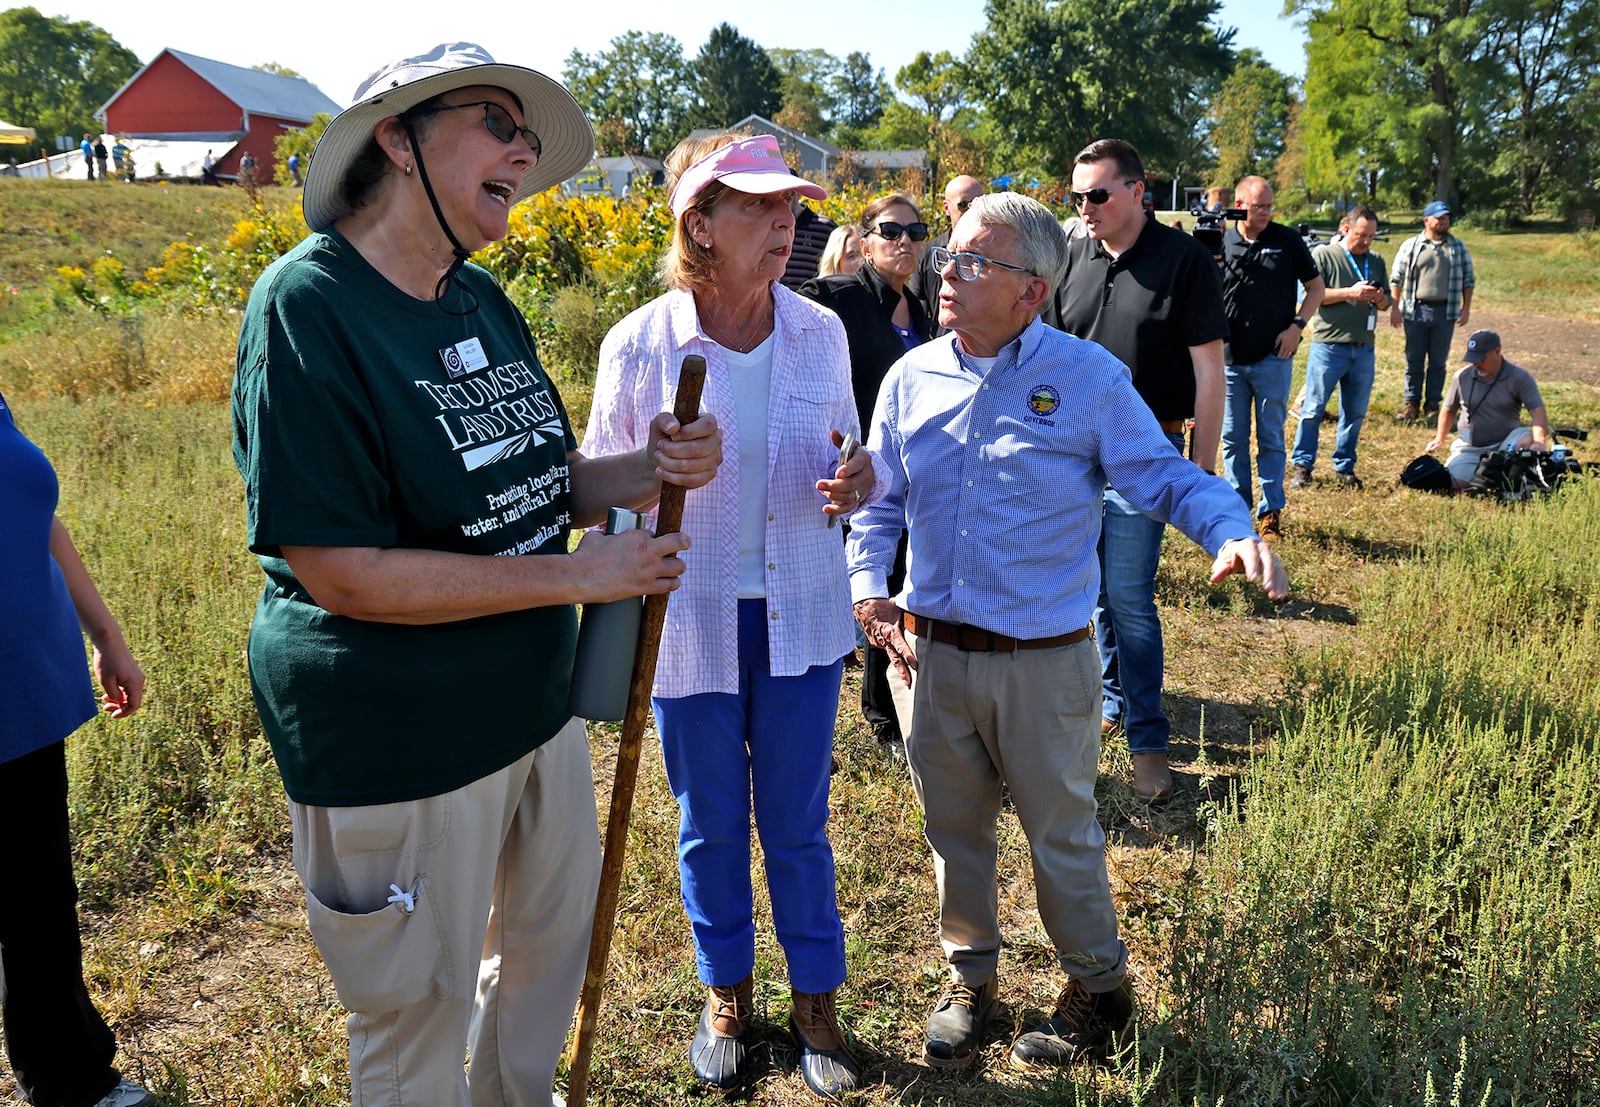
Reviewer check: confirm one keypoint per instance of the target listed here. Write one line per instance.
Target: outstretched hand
(1255, 559)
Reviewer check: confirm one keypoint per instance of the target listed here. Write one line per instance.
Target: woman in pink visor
(747, 686)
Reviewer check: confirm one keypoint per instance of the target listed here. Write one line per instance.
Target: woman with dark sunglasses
(882, 322)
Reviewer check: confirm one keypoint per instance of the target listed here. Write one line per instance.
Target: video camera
(1211, 222)
(1520, 474)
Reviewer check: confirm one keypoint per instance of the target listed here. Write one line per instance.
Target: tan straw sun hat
(548, 110)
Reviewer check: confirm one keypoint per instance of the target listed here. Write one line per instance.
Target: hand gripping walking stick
(691, 379)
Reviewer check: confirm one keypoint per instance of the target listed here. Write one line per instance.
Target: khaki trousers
(488, 957)
(1030, 720)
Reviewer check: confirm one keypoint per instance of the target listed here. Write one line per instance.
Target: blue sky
(336, 45)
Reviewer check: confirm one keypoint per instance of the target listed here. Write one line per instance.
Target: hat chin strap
(452, 275)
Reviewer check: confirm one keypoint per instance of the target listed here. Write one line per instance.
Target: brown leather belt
(970, 638)
(1174, 426)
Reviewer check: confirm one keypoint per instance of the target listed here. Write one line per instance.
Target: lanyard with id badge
(1362, 271)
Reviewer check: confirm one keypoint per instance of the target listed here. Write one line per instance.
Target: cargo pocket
(387, 959)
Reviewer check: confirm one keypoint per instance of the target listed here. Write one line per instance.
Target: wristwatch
(1299, 322)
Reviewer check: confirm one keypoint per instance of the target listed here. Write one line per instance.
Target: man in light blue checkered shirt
(996, 444)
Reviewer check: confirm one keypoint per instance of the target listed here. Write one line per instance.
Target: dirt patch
(1551, 349)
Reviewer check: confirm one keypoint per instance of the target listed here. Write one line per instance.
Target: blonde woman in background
(843, 253)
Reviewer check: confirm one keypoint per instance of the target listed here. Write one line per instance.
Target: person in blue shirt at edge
(61, 1050)
(997, 443)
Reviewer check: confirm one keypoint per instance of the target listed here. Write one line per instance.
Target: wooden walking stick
(669, 517)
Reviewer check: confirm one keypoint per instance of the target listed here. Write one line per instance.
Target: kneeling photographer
(1490, 392)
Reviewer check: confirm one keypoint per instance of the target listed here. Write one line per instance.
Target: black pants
(60, 1049)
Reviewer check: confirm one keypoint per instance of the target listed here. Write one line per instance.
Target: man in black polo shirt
(1263, 265)
(1149, 294)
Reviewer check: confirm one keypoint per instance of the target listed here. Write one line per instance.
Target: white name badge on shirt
(1372, 320)
(463, 358)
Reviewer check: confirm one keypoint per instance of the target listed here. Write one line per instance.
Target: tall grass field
(1379, 881)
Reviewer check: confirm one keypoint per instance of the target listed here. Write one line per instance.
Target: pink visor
(753, 165)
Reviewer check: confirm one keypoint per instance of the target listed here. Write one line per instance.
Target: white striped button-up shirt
(808, 604)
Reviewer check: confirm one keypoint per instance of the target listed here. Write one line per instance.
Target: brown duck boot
(1085, 1026)
(826, 1062)
(718, 1051)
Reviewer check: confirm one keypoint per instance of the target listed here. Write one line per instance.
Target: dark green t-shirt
(1352, 323)
(364, 417)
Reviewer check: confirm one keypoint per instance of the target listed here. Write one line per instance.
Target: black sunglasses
(1093, 195)
(892, 231)
(497, 121)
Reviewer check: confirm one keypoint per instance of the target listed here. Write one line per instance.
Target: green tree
(733, 78)
(937, 85)
(1429, 58)
(1248, 119)
(1057, 74)
(299, 140)
(860, 92)
(805, 89)
(1551, 53)
(55, 73)
(643, 80)
(274, 67)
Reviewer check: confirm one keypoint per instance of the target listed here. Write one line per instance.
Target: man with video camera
(1490, 392)
(1263, 264)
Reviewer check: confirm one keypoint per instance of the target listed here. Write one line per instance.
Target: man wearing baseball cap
(1432, 284)
(1490, 393)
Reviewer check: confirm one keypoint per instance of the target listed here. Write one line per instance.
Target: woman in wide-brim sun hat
(411, 480)
(746, 702)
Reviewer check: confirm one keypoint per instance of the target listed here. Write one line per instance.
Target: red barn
(184, 105)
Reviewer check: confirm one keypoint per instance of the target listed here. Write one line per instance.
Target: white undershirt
(751, 378)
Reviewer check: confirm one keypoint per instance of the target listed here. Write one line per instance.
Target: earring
(408, 169)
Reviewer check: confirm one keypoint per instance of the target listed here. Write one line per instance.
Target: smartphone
(847, 450)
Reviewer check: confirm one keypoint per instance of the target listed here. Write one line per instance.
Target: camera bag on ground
(1427, 474)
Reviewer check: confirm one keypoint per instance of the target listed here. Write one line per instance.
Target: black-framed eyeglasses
(1094, 195)
(497, 121)
(969, 267)
(892, 231)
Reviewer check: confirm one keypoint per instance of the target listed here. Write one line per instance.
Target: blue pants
(1349, 368)
(771, 743)
(1127, 626)
(1430, 343)
(1261, 389)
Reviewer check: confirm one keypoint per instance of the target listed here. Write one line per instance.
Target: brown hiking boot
(826, 1062)
(1270, 525)
(1085, 1025)
(1152, 779)
(718, 1051)
(1406, 414)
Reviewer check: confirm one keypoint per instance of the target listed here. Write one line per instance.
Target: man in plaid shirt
(1432, 283)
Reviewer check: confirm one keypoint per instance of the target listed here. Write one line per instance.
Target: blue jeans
(772, 744)
(1262, 389)
(1127, 626)
(1348, 367)
(1428, 342)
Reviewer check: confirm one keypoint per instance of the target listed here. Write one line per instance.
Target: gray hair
(1041, 243)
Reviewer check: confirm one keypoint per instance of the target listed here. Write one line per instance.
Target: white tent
(11, 134)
